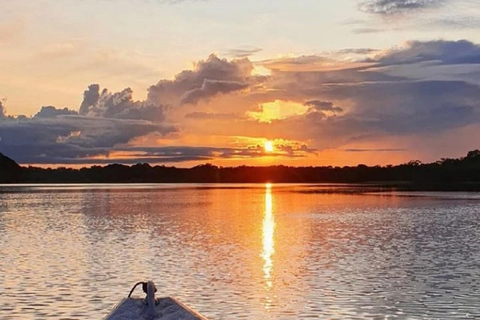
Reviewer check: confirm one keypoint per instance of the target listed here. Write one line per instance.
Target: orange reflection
(268, 236)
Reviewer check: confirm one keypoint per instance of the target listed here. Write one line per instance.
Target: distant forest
(445, 174)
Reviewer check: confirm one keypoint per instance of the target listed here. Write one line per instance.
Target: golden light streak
(268, 239)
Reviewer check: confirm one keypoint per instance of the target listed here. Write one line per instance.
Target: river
(258, 251)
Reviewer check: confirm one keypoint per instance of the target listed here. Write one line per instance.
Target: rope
(133, 289)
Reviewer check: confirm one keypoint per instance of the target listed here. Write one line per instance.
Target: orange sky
(378, 88)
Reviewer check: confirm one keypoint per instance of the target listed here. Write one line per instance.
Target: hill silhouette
(446, 174)
(10, 171)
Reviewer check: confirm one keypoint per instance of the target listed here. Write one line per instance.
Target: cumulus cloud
(90, 98)
(119, 105)
(108, 120)
(390, 7)
(208, 78)
(59, 135)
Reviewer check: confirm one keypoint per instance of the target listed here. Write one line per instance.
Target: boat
(151, 308)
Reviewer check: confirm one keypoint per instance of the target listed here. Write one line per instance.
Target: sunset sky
(255, 82)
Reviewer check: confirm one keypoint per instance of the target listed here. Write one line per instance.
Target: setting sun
(268, 146)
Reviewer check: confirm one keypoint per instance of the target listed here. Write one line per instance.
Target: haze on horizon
(230, 83)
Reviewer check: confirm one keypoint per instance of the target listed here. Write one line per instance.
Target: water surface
(240, 251)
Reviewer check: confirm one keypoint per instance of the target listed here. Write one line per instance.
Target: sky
(252, 82)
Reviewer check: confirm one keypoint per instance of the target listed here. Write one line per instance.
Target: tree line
(461, 173)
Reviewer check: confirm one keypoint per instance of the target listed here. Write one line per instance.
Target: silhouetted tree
(451, 174)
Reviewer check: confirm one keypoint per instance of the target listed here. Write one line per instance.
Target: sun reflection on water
(268, 233)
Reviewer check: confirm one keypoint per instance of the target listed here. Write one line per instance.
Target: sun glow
(268, 146)
(277, 110)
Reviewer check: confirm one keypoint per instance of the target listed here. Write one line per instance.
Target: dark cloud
(445, 52)
(119, 105)
(211, 88)
(109, 120)
(209, 78)
(409, 107)
(318, 105)
(105, 120)
(186, 153)
(90, 98)
(52, 112)
(378, 103)
(295, 151)
(68, 139)
(390, 7)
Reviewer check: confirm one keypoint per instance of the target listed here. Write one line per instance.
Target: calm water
(240, 252)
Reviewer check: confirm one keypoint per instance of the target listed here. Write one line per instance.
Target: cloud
(214, 116)
(211, 88)
(119, 105)
(59, 135)
(391, 7)
(318, 105)
(68, 139)
(412, 93)
(208, 78)
(294, 151)
(398, 16)
(176, 154)
(90, 98)
(52, 112)
(107, 120)
(405, 108)
(312, 63)
(445, 52)
(360, 51)
(242, 53)
(456, 22)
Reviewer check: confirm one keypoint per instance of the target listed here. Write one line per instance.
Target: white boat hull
(165, 309)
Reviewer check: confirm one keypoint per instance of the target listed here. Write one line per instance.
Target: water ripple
(249, 252)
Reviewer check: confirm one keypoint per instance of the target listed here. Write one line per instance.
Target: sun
(268, 146)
